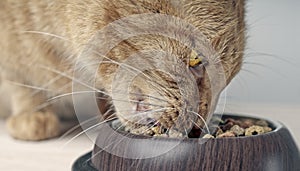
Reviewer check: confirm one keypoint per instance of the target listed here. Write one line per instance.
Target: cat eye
(195, 59)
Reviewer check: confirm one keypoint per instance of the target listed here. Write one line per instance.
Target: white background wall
(272, 56)
(269, 84)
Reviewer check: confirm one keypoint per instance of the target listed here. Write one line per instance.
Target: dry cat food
(219, 128)
(230, 127)
(155, 131)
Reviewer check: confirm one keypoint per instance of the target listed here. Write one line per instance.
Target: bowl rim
(275, 125)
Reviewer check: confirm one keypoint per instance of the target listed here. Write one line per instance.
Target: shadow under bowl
(121, 151)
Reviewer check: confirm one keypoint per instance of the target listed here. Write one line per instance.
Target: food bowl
(121, 151)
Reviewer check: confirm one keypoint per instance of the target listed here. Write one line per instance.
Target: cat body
(41, 40)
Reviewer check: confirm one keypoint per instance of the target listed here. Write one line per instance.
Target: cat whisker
(260, 54)
(88, 86)
(46, 34)
(95, 118)
(43, 87)
(132, 101)
(98, 124)
(115, 143)
(73, 79)
(249, 72)
(265, 66)
(153, 125)
(185, 130)
(142, 95)
(124, 65)
(85, 92)
(52, 81)
(45, 104)
(152, 111)
(53, 100)
(28, 86)
(88, 129)
(203, 120)
(197, 125)
(242, 83)
(70, 94)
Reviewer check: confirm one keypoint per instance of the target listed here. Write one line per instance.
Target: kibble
(254, 130)
(227, 128)
(237, 130)
(262, 123)
(226, 134)
(208, 136)
(219, 132)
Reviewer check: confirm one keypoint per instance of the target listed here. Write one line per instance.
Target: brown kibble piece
(247, 123)
(208, 136)
(160, 135)
(227, 126)
(226, 134)
(156, 130)
(254, 130)
(219, 132)
(174, 133)
(229, 120)
(142, 130)
(238, 122)
(267, 129)
(262, 123)
(237, 130)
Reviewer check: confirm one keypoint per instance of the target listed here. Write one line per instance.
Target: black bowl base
(81, 163)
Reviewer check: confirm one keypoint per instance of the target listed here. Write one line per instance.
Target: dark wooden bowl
(272, 151)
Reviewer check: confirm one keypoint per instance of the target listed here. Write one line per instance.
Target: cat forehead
(176, 3)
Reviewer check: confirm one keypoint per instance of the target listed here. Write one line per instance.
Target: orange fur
(24, 53)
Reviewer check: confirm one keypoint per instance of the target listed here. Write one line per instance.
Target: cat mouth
(143, 114)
